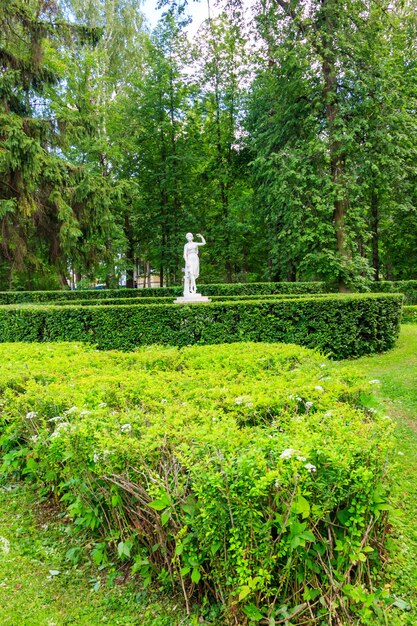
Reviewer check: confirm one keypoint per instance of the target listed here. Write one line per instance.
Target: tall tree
(154, 152)
(98, 75)
(222, 68)
(53, 205)
(386, 133)
(31, 202)
(320, 62)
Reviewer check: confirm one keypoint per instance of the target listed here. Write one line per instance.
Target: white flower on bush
(34, 438)
(96, 457)
(309, 405)
(84, 413)
(310, 467)
(31, 415)
(319, 388)
(301, 458)
(62, 427)
(247, 400)
(56, 419)
(287, 454)
(102, 405)
(375, 382)
(72, 409)
(5, 545)
(125, 428)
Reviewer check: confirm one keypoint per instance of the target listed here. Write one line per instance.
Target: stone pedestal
(192, 299)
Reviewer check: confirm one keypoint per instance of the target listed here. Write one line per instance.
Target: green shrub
(167, 300)
(342, 326)
(409, 315)
(234, 289)
(250, 473)
(406, 287)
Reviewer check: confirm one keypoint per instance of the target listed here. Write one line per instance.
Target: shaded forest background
(285, 133)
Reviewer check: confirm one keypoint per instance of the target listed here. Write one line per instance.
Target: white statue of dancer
(192, 263)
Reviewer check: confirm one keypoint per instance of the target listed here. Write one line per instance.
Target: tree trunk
(337, 157)
(326, 47)
(63, 279)
(339, 215)
(222, 164)
(130, 257)
(164, 205)
(176, 203)
(291, 273)
(375, 235)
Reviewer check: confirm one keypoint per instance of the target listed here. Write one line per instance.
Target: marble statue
(191, 270)
(192, 263)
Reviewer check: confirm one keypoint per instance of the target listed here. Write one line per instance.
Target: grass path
(397, 372)
(33, 546)
(38, 587)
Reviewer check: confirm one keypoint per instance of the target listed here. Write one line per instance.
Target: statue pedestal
(192, 299)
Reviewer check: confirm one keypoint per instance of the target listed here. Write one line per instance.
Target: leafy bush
(168, 300)
(406, 287)
(247, 474)
(409, 315)
(342, 326)
(235, 289)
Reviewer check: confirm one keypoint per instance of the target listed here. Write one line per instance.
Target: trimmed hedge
(167, 300)
(409, 315)
(225, 289)
(407, 287)
(341, 326)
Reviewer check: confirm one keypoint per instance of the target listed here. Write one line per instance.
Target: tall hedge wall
(342, 326)
(407, 287)
(166, 300)
(234, 289)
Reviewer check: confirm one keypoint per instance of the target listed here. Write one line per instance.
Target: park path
(397, 392)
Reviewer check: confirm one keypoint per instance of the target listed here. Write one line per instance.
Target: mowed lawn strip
(396, 371)
(39, 587)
